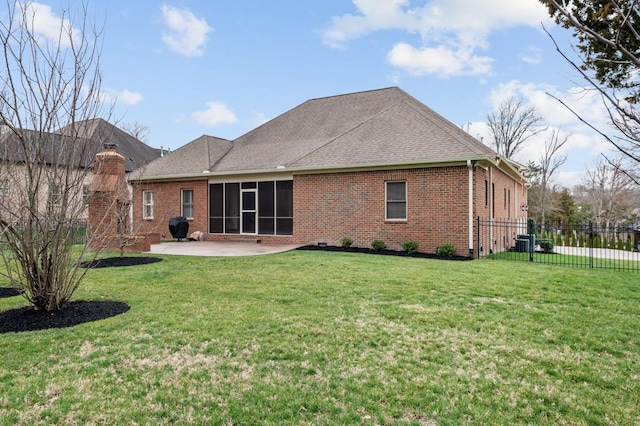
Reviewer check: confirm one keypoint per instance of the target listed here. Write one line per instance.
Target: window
(55, 195)
(147, 204)
(493, 200)
(396, 200)
(486, 193)
(187, 203)
(4, 187)
(85, 194)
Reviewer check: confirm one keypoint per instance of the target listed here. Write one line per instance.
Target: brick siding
(168, 203)
(330, 206)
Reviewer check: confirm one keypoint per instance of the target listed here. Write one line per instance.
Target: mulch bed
(9, 292)
(385, 252)
(78, 312)
(74, 313)
(118, 261)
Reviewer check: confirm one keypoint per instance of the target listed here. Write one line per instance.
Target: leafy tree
(47, 87)
(607, 39)
(511, 125)
(608, 44)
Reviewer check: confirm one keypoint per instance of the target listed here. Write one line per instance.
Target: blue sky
(186, 68)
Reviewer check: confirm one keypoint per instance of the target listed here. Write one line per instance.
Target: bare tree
(543, 172)
(138, 130)
(45, 85)
(608, 194)
(511, 125)
(550, 160)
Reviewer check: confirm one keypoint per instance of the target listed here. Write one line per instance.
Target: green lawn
(329, 338)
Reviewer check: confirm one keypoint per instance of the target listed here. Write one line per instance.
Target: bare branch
(511, 125)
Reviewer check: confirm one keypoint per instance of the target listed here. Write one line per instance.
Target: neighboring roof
(376, 128)
(63, 147)
(135, 152)
(47, 148)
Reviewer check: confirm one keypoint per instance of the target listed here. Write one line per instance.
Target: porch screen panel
(216, 208)
(266, 208)
(232, 208)
(284, 207)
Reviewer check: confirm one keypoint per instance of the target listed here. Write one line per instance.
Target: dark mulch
(9, 292)
(383, 252)
(79, 312)
(117, 261)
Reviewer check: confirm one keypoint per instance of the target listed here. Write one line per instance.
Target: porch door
(249, 208)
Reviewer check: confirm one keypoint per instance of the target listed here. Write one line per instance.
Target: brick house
(370, 165)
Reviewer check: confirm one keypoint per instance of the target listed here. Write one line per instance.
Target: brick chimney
(109, 195)
(109, 162)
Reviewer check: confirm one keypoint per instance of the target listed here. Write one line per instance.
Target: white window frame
(183, 203)
(387, 201)
(4, 187)
(148, 204)
(55, 195)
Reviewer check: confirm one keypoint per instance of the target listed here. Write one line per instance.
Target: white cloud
(47, 24)
(440, 60)
(532, 56)
(215, 113)
(451, 30)
(186, 34)
(128, 97)
(583, 146)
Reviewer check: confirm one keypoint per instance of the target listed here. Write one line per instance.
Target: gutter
(486, 160)
(470, 166)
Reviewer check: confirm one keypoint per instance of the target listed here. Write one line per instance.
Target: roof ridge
(362, 123)
(353, 93)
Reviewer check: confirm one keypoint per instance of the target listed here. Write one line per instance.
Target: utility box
(522, 245)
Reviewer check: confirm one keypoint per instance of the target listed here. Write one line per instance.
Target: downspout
(470, 167)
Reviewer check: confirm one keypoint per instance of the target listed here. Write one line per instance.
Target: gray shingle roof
(135, 152)
(374, 128)
(191, 159)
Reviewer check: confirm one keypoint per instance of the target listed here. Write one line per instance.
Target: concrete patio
(219, 248)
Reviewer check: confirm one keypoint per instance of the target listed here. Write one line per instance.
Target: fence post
(478, 228)
(531, 230)
(591, 245)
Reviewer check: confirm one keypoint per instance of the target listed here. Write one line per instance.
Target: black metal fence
(587, 245)
(79, 233)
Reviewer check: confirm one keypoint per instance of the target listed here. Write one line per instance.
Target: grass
(328, 338)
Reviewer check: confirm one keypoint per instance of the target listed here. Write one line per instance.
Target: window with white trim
(187, 203)
(4, 187)
(55, 195)
(147, 204)
(396, 200)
